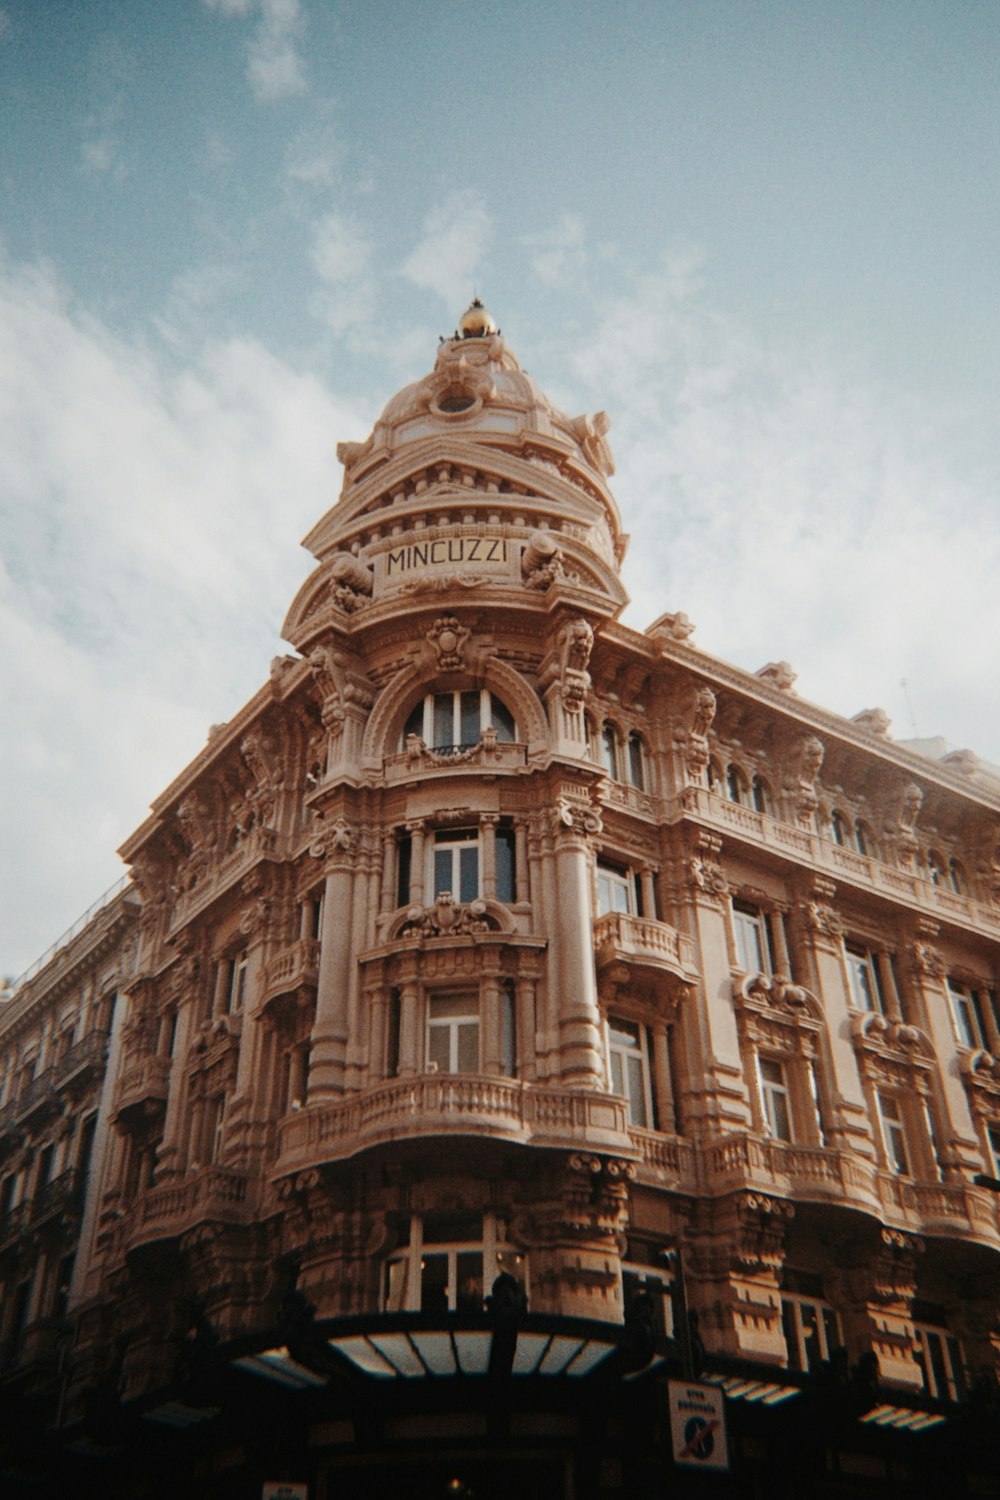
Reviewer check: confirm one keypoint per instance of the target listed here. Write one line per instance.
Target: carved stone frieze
(446, 918)
(541, 561)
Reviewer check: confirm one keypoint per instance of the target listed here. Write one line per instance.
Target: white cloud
(455, 239)
(150, 520)
(560, 254)
(796, 509)
(340, 250)
(315, 157)
(274, 64)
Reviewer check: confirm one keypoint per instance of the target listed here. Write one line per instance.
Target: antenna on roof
(909, 707)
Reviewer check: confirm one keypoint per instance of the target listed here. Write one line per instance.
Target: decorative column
(958, 1147)
(821, 947)
(663, 1092)
(417, 836)
(522, 887)
(581, 1055)
(329, 1033)
(488, 875)
(524, 992)
(715, 1099)
(648, 892)
(390, 865)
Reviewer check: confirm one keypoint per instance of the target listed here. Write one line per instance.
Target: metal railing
(70, 933)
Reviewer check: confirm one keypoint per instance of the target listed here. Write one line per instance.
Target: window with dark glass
(455, 853)
(629, 1066)
(506, 863)
(453, 721)
(811, 1331)
(636, 761)
(453, 1033)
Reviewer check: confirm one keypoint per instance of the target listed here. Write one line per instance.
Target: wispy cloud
(795, 508)
(274, 64)
(150, 520)
(559, 255)
(342, 255)
(448, 257)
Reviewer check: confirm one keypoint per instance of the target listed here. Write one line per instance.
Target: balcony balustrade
(448, 1105)
(143, 1088)
(641, 941)
(298, 965)
(424, 763)
(218, 875)
(833, 859)
(63, 1195)
(172, 1208)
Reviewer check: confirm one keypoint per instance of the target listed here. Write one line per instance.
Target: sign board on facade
(698, 1425)
(467, 551)
(280, 1490)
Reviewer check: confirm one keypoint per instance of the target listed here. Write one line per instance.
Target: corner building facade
(494, 936)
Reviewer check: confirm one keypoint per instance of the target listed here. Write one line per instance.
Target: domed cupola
(470, 477)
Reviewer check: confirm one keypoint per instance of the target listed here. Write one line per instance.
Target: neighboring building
(491, 937)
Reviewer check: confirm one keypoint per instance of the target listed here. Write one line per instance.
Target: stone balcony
(454, 1105)
(143, 1089)
(170, 1209)
(298, 965)
(820, 1174)
(489, 756)
(845, 866)
(643, 943)
(222, 872)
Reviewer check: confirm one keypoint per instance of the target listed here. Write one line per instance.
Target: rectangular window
(508, 1031)
(615, 889)
(894, 1134)
(448, 1264)
(506, 864)
(237, 983)
(656, 1284)
(993, 1137)
(811, 1332)
(453, 1033)
(455, 854)
(940, 1361)
(404, 845)
(629, 1068)
(862, 971)
(753, 943)
(775, 1098)
(966, 1015)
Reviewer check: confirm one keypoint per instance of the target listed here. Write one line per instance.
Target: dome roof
(477, 388)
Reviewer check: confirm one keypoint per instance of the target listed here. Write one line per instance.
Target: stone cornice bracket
(900, 826)
(591, 433)
(582, 820)
(670, 629)
(703, 875)
(336, 845)
(341, 688)
(567, 663)
(351, 582)
(693, 737)
(778, 674)
(806, 763)
(819, 917)
(761, 1223)
(541, 561)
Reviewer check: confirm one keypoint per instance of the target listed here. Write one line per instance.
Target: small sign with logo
(280, 1490)
(698, 1425)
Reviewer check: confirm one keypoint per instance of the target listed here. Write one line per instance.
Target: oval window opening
(455, 403)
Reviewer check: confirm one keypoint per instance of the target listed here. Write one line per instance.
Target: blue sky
(763, 236)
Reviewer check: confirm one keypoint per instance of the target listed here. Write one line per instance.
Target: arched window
(455, 721)
(840, 829)
(715, 777)
(736, 786)
(760, 795)
(863, 841)
(636, 761)
(956, 877)
(935, 868)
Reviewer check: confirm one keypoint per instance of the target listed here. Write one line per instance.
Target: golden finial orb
(476, 322)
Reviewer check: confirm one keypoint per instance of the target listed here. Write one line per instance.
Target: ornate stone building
(493, 936)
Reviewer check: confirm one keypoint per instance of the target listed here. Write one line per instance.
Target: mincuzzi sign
(446, 552)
